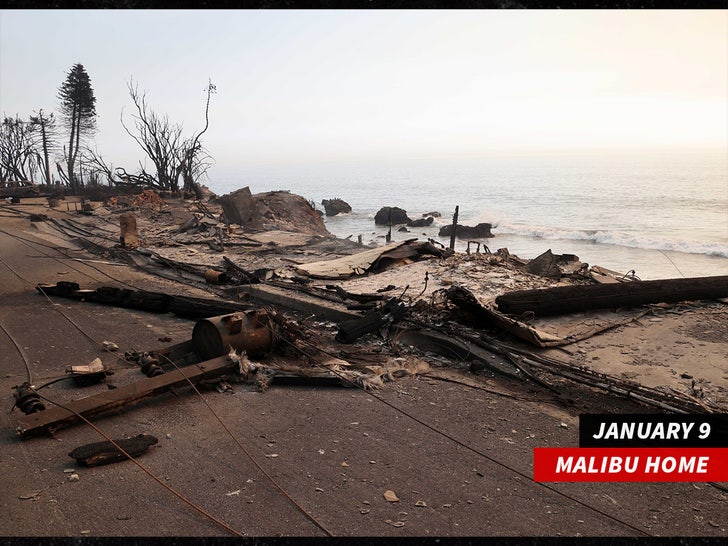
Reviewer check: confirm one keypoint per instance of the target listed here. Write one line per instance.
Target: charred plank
(351, 330)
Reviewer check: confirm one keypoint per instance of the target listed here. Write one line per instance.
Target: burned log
(100, 453)
(570, 299)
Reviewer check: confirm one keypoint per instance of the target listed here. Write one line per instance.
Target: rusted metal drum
(249, 331)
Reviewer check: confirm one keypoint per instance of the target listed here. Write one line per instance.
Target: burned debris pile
(292, 304)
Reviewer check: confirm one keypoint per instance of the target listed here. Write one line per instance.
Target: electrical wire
(260, 468)
(145, 469)
(22, 354)
(247, 453)
(673, 263)
(417, 420)
(481, 454)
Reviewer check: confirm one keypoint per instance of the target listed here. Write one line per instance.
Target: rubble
(410, 295)
(147, 198)
(89, 374)
(434, 320)
(371, 261)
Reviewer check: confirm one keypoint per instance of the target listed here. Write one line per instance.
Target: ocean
(659, 214)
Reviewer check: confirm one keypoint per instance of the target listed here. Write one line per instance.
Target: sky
(322, 86)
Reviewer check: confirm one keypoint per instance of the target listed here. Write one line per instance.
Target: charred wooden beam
(353, 329)
(297, 301)
(361, 298)
(242, 274)
(450, 346)
(570, 299)
(58, 417)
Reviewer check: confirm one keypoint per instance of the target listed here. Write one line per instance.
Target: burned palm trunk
(570, 299)
(351, 330)
(153, 302)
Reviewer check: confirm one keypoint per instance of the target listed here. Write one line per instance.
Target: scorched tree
(78, 112)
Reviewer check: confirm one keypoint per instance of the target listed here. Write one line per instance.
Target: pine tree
(78, 112)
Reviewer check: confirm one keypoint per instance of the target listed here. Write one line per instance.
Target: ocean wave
(618, 238)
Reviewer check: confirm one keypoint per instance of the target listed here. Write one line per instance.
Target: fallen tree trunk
(570, 299)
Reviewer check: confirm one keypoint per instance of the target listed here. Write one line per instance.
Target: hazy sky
(315, 86)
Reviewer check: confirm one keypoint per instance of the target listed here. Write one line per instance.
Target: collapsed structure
(261, 255)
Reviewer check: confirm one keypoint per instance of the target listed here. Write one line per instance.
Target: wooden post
(129, 237)
(454, 227)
